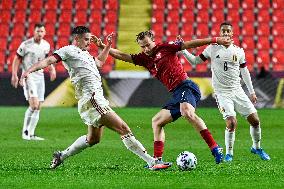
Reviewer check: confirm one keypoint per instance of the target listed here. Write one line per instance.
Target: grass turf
(24, 164)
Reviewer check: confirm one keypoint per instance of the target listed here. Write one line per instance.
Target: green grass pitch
(24, 164)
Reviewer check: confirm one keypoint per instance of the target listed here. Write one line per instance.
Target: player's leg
(162, 118)
(93, 137)
(226, 108)
(246, 108)
(35, 105)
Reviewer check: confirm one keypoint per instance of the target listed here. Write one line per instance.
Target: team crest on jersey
(235, 58)
(158, 55)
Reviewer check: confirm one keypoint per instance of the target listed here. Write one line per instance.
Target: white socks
(80, 144)
(255, 134)
(229, 141)
(30, 121)
(137, 148)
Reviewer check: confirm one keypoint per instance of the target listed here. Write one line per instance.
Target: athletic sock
(33, 122)
(255, 134)
(27, 120)
(229, 141)
(80, 144)
(158, 149)
(206, 135)
(137, 148)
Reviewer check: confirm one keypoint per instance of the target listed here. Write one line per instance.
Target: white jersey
(225, 66)
(32, 52)
(82, 70)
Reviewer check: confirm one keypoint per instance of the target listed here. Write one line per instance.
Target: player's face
(39, 33)
(226, 31)
(147, 45)
(83, 41)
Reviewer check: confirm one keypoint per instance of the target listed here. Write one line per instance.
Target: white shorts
(34, 88)
(91, 109)
(238, 102)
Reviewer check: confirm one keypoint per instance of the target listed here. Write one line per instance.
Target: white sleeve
(21, 50)
(207, 52)
(63, 52)
(191, 58)
(247, 79)
(242, 57)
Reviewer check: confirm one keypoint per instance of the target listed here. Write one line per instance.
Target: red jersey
(163, 64)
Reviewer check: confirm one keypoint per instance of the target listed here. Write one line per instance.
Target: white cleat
(34, 137)
(26, 137)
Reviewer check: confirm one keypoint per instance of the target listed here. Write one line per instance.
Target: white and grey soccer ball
(186, 161)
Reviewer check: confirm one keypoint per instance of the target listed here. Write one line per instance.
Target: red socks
(158, 149)
(206, 135)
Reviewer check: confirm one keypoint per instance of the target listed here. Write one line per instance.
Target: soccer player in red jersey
(162, 62)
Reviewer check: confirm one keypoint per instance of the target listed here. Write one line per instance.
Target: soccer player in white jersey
(227, 63)
(92, 106)
(30, 52)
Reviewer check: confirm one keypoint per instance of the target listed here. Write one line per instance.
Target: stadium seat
(95, 29)
(36, 5)
(186, 65)
(202, 16)
(187, 16)
(111, 4)
(248, 16)
(233, 15)
(35, 16)
(18, 30)
(248, 29)
(218, 4)
(173, 16)
(15, 43)
(158, 29)
(5, 16)
(109, 28)
(203, 67)
(263, 16)
(95, 17)
(65, 16)
(3, 42)
(263, 57)
(278, 56)
(202, 30)
(263, 4)
(6, 5)
(158, 16)
(215, 29)
(248, 4)
(64, 30)
(173, 4)
(66, 5)
(51, 5)
(263, 43)
(277, 42)
(20, 16)
(248, 43)
(80, 17)
(278, 29)
(21, 5)
(203, 5)
(263, 29)
(186, 30)
(81, 4)
(172, 29)
(50, 29)
(217, 16)
(111, 17)
(158, 4)
(4, 30)
(187, 4)
(278, 4)
(2, 60)
(249, 58)
(62, 41)
(233, 4)
(50, 16)
(277, 15)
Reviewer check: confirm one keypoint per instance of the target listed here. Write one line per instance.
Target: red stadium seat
(20, 16)
(263, 29)
(50, 16)
(109, 28)
(96, 4)
(21, 4)
(2, 60)
(186, 30)
(248, 29)
(187, 16)
(62, 41)
(80, 17)
(111, 4)
(172, 29)
(278, 42)
(49, 39)
(278, 56)
(158, 4)
(15, 43)
(173, 4)
(5, 16)
(60, 68)
(215, 29)
(263, 4)
(234, 4)
(64, 30)
(248, 4)
(51, 5)
(278, 4)
(203, 67)
(263, 43)
(248, 43)
(187, 4)
(173, 16)
(277, 15)
(4, 30)
(50, 29)
(158, 29)
(36, 5)
(186, 65)
(18, 30)
(111, 17)
(248, 16)
(218, 5)
(263, 16)
(95, 17)
(3, 42)
(202, 17)
(95, 29)
(250, 59)
(263, 57)
(278, 29)
(158, 16)
(202, 30)
(81, 4)
(66, 5)
(65, 16)
(35, 16)
(203, 5)
(217, 16)
(236, 40)
(6, 5)
(233, 15)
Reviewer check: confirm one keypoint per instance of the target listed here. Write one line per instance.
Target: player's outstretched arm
(101, 58)
(191, 58)
(40, 65)
(200, 42)
(247, 80)
(52, 72)
(15, 67)
(115, 53)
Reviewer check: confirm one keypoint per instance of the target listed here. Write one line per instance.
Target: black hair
(38, 25)
(79, 30)
(226, 24)
(143, 34)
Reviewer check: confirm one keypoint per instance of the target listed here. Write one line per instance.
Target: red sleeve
(58, 58)
(171, 46)
(137, 59)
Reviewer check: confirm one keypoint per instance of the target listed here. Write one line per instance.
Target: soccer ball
(186, 161)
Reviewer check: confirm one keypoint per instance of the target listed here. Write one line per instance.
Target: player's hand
(97, 41)
(109, 38)
(23, 78)
(253, 98)
(179, 40)
(14, 81)
(52, 74)
(224, 41)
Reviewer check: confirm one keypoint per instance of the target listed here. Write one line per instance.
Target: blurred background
(258, 27)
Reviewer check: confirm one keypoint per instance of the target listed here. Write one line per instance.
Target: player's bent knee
(92, 141)
(231, 124)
